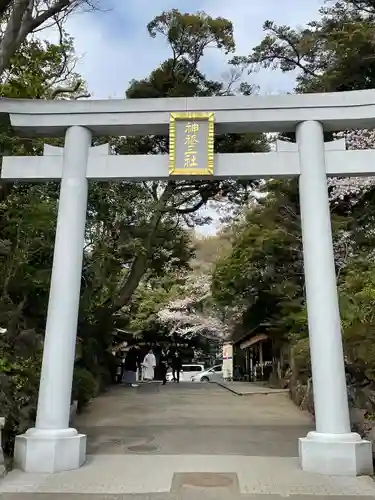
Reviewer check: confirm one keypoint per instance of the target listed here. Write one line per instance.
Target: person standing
(164, 365)
(118, 375)
(176, 366)
(131, 365)
(148, 365)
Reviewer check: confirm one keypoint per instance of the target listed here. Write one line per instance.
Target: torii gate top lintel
(236, 114)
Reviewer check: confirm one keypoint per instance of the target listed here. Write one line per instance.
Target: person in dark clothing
(118, 368)
(163, 365)
(176, 366)
(131, 365)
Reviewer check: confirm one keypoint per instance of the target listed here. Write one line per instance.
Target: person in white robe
(149, 364)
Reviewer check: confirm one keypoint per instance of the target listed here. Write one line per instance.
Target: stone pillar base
(336, 454)
(50, 450)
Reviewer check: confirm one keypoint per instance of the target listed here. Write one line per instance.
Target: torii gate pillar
(332, 448)
(52, 446)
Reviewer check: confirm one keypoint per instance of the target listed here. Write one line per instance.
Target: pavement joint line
(266, 392)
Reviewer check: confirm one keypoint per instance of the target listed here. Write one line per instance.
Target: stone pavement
(188, 441)
(250, 388)
(196, 494)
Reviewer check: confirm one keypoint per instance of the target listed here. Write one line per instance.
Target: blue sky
(114, 45)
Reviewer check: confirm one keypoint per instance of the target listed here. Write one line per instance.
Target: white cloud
(115, 47)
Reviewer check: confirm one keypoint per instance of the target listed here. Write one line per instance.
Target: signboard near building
(191, 144)
(228, 361)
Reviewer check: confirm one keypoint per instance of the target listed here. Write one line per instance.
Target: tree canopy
(332, 53)
(262, 274)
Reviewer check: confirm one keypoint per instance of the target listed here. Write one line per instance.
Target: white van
(187, 373)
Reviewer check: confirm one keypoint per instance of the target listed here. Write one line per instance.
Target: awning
(253, 340)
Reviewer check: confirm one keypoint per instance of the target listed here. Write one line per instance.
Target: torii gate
(52, 446)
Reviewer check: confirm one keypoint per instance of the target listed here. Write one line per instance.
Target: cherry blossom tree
(353, 187)
(189, 316)
(350, 190)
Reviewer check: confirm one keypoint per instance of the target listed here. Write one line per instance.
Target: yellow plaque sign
(191, 144)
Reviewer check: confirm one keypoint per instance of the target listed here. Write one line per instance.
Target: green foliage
(263, 271)
(334, 53)
(19, 381)
(262, 276)
(357, 295)
(85, 387)
(148, 299)
(35, 71)
(190, 34)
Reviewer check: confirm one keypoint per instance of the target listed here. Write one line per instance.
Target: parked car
(213, 374)
(187, 373)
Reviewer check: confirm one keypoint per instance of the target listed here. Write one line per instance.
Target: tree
(179, 202)
(352, 189)
(262, 275)
(40, 70)
(334, 53)
(43, 70)
(178, 307)
(20, 18)
(193, 315)
(208, 249)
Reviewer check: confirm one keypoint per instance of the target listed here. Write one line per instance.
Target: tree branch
(4, 6)
(21, 23)
(70, 90)
(190, 210)
(9, 43)
(33, 23)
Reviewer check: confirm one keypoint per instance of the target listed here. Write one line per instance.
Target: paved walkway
(250, 388)
(188, 441)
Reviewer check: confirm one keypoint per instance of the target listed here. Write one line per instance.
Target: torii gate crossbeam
(332, 449)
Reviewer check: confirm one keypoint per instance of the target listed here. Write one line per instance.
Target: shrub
(85, 387)
(19, 381)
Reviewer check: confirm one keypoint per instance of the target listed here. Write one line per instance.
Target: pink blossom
(342, 187)
(188, 315)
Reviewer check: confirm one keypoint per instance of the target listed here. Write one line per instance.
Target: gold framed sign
(191, 144)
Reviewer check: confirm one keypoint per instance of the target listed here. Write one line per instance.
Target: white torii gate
(52, 446)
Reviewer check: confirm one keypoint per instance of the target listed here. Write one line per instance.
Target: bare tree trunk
(23, 20)
(140, 263)
(9, 43)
